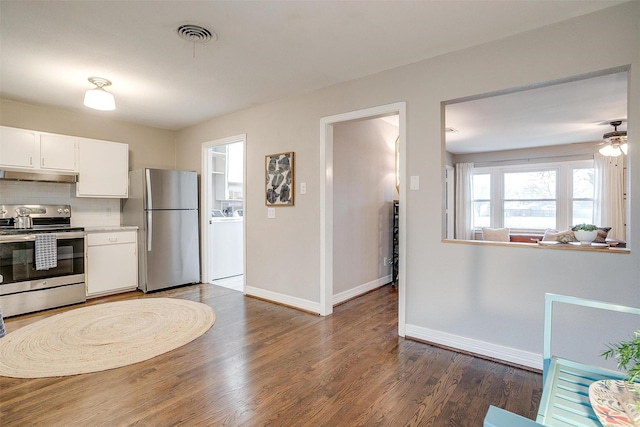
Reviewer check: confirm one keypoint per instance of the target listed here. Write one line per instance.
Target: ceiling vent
(196, 33)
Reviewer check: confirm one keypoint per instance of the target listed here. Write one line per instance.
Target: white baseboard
(299, 303)
(494, 351)
(312, 306)
(359, 290)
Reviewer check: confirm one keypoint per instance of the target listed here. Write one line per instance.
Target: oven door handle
(32, 237)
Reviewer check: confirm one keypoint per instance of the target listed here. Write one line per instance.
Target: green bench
(565, 392)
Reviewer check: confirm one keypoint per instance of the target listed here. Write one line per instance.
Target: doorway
(223, 212)
(327, 203)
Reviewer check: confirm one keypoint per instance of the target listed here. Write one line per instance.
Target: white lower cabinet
(112, 262)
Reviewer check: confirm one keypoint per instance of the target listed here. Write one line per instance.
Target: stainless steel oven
(24, 287)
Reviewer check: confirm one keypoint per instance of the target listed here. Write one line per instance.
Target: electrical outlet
(108, 211)
(271, 212)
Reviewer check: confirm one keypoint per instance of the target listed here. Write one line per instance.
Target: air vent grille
(196, 33)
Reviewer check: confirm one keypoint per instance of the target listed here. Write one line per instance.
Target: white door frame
(449, 173)
(326, 203)
(205, 209)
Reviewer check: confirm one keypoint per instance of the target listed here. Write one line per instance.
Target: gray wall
(364, 190)
(477, 297)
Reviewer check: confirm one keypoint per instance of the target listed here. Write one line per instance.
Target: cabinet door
(17, 147)
(103, 169)
(111, 268)
(57, 152)
(219, 175)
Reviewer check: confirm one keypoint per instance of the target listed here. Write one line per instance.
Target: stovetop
(10, 231)
(45, 219)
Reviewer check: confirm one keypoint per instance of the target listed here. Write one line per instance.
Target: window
(482, 200)
(530, 199)
(582, 194)
(533, 197)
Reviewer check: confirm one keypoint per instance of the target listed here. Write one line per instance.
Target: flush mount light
(615, 142)
(98, 98)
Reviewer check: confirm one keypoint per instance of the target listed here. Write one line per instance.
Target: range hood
(40, 177)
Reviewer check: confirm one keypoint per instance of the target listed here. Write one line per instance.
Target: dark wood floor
(265, 364)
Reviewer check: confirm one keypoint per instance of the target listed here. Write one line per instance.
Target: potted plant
(585, 233)
(627, 355)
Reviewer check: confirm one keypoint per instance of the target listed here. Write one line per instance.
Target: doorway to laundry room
(223, 212)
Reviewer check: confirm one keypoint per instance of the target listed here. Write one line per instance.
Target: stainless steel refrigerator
(163, 204)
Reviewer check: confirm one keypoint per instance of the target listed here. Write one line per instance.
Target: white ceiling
(266, 50)
(566, 113)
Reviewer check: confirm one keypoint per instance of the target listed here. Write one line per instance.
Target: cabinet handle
(113, 239)
(30, 161)
(42, 161)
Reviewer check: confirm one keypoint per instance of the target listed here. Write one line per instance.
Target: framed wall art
(279, 179)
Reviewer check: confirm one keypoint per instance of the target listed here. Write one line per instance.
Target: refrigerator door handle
(149, 230)
(148, 182)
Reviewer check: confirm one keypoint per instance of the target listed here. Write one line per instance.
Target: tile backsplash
(85, 212)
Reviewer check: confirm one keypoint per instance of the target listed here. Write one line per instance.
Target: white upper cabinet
(18, 148)
(103, 169)
(102, 166)
(22, 149)
(58, 152)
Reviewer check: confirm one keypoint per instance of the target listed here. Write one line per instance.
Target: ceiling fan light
(606, 150)
(615, 142)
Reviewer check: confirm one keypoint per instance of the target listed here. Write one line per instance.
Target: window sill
(561, 246)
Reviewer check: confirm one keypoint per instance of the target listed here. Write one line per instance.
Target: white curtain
(609, 210)
(464, 201)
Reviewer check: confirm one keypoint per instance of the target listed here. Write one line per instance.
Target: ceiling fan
(615, 143)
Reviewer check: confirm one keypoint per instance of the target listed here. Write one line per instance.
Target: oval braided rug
(102, 336)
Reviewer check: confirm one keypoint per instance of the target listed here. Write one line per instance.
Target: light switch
(415, 183)
(271, 212)
(303, 188)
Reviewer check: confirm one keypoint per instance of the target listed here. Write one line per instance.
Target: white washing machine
(226, 247)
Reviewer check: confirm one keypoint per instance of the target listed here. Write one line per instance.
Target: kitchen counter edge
(109, 228)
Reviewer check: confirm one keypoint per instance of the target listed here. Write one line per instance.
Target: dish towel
(2, 331)
(46, 251)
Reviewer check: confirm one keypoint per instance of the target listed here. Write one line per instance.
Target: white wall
(364, 190)
(85, 212)
(482, 298)
(148, 147)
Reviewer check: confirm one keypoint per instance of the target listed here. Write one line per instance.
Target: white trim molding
(482, 348)
(287, 300)
(360, 290)
(205, 206)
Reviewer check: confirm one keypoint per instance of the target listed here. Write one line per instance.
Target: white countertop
(109, 228)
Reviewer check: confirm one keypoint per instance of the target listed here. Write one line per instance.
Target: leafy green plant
(584, 227)
(627, 354)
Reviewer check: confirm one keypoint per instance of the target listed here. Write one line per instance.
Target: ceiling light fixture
(98, 98)
(615, 142)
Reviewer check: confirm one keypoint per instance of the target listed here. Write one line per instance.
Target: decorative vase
(585, 237)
